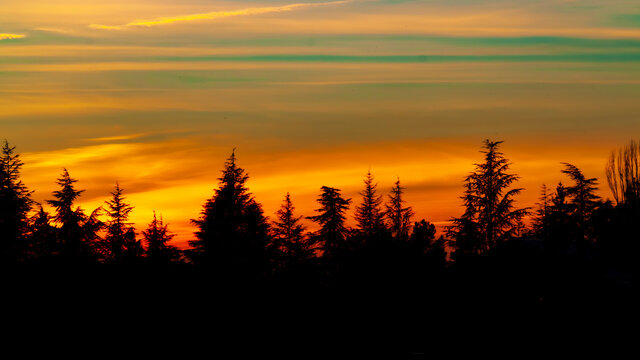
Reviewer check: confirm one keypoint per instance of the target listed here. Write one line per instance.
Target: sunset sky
(155, 94)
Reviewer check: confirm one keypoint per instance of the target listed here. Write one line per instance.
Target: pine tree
(233, 233)
(289, 237)
(465, 229)
(78, 233)
(369, 214)
(15, 204)
(157, 236)
(584, 202)
(331, 218)
(541, 217)
(489, 217)
(398, 216)
(120, 237)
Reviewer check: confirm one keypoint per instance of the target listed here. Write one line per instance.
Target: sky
(156, 94)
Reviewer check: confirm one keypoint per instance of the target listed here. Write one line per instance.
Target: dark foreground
(359, 311)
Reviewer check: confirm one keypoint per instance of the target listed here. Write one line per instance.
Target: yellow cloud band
(11, 36)
(212, 15)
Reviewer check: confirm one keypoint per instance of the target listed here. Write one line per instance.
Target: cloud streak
(213, 15)
(11, 36)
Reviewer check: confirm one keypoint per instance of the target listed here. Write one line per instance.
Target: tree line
(234, 238)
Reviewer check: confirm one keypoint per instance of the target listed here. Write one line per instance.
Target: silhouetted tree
(233, 233)
(423, 243)
(15, 204)
(369, 214)
(422, 237)
(331, 218)
(618, 231)
(157, 236)
(553, 221)
(289, 237)
(584, 202)
(398, 216)
(120, 236)
(490, 217)
(78, 233)
(623, 174)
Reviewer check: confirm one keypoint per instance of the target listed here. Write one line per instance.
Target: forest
(574, 250)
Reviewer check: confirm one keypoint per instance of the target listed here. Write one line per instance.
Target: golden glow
(211, 15)
(11, 36)
(312, 94)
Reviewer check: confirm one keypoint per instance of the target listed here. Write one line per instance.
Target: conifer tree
(369, 214)
(233, 233)
(157, 236)
(398, 216)
(289, 237)
(15, 204)
(77, 233)
(584, 202)
(489, 217)
(120, 236)
(331, 218)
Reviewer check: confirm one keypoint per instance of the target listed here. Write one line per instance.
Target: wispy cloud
(213, 15)
(116, 138)
(11, 36)
(53, 30)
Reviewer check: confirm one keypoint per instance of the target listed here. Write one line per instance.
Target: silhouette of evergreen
(369, 214)
(489, 218)
(553, 223)
(77, 233)
(389, 279)
(233, 233)
(331, 218)
(584, 202)
(15, 204)
(157, 236)
(290, 241)
(120, 238)
(398, 215)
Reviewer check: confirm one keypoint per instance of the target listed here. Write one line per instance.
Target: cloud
(11, 36)
(212, 15)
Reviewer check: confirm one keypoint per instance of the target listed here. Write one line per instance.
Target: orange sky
(155, 94)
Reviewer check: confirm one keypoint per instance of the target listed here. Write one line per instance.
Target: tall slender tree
(331, 218)
(398, 215)
(490, 217)
(15, 204)
(289, 237)
(369, 214)
(117, 212)
(233, 233)
(120, 237)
